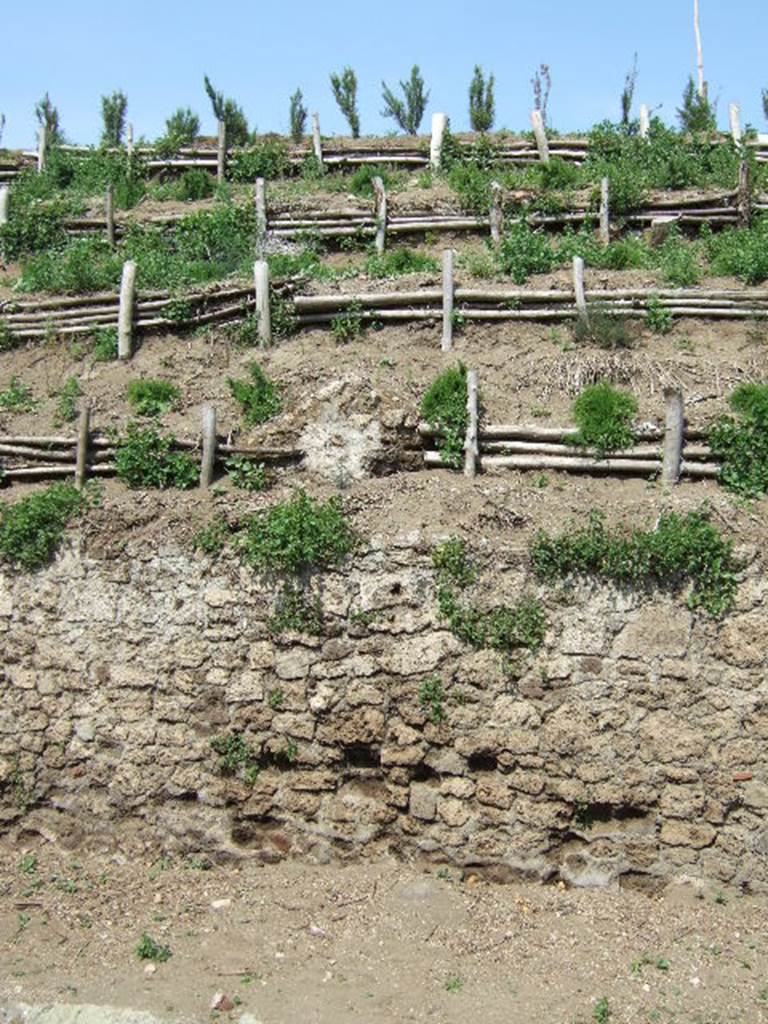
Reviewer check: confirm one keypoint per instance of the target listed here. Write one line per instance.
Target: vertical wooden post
(447, 342)
(496, 214)
(380, 213)
(261, 285)
(42, 148)
(439, 124)
(471, 447)
(541, 136)
(81, 456)
(4, 192)
(221, 153)
(673, 436)
(645, 121)
(317, 145)
(125, 312)
(605, 225)
(261, 216)
(109, 213)
(129, 141)
(209, 446)
(744, 195)
(699, 57)
(734, 115)
(578, 286)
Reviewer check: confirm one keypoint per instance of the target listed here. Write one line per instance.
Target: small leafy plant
(31, 529)
(17, 397)
(236, 757)
(146, 458)
(259, 397)
(604, 328)
(740, 442)
(604, 417)
(246, 474)
(212, 537)
(148, 949)
(152, 397)
(444, 407)
(66, 401)
(657, 316)
(349, 325)
(431, 696)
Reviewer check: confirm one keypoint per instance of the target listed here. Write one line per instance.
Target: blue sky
(260, 52)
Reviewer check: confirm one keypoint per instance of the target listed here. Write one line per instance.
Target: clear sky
(260, 52)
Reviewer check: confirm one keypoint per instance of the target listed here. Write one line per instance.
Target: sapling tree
(2, 127)
(409, 111)
(230, 113)
(183, 126)
(113, 110)
(344, 87)
(696, 114)
(765, 103)
(542, 85)
(628, 94)
(48, 117)
(481, 101)
(298, 116)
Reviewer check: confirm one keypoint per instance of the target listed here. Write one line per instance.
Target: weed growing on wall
(431, 697)
(740, 442)
(236, 757)
(681, 550)
(212, 538)
(31, 529)
(604, 416)
(444, 407)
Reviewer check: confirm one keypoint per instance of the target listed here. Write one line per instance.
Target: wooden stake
(734, 114)
(81, 456)
(316, 142)
(699, 57)
(439, 124)
(221, 153)
(447, 342)
(209, 446)
(744, 195)
(261, 216)
(4, 191)
(261, 284)
(471, 447)
(42, 148)
(673, 436)
(109, 208)
(496, 214)
(380, 213)
(605, 227)
(125, 313)
(645, 121)
(578, 286)
(541, 136)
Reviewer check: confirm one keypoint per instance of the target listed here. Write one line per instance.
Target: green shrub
(104, 348)
(148, 949)
(740, 252)
(657, 316)
(194, 183)
(681, 549)
(679, 262)
(212, 537)
(7, 338)
(66, 401)
(145, 458)
(32, 228)
(431, 697)
(267, 159)
(349, 325)
(605, 327)
(152, 397)
(17, 397)
(360, 182)
(454, 567)
(444, 407)
(297, 536)
(523, 252)
(259, 398)
(741, 442)
(246, 474)
(236, 757)
(604, 417)
(297, 610)
(31, 529)
(393, 262)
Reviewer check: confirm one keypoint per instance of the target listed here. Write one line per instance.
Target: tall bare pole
(699, 57)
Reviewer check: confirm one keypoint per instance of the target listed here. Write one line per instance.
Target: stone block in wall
(245, 686)
(423, 802)
(696, 835)
(417, 655)
(756, 795)
(742, 640)
(294, 663)
(453, 812)
(661, 629)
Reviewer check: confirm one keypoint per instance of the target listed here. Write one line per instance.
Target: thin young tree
(113, 110)
(481, 101)
(298, 116)
(765, 103)
(230, 113)
(48, 117)
(696, 114)
(2, 127)
(182, 127)
(344, 87)
(628, 94)
(409, 111)
(542, 86)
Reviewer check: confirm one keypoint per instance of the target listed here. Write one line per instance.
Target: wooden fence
(452, 305)
(671, 453)
(92, 454)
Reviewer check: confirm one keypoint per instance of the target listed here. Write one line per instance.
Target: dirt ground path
(375, 943)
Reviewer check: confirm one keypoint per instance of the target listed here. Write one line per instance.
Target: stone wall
(633, 745)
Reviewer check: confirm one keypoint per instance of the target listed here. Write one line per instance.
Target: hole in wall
(482, 761)
(362, 755)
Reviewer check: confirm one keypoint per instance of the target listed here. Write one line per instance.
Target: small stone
(150, 969)
(222, 1002)
(318, 932)
(220, 904)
